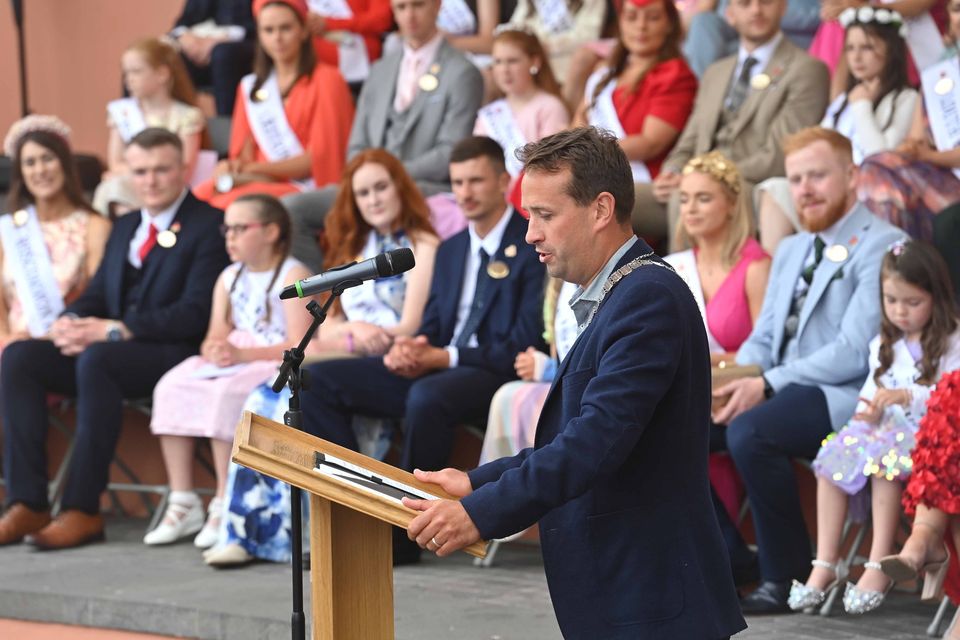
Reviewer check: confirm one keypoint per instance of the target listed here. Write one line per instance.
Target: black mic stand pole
(291, 375)
(17, 6)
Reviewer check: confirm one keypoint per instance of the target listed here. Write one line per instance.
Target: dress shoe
(405, 550)
(770, 597)
(806, 598)
(859, 601)
(19, 521)
(72, 528)
(179, 521)
(229, 555)
(934, 573)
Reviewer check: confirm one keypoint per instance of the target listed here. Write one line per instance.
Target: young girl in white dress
(203, 396)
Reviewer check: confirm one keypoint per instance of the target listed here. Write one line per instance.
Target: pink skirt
(204, 408)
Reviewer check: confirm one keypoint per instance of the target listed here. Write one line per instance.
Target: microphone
(345, 276)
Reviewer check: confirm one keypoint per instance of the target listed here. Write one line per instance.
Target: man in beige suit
(747, 103)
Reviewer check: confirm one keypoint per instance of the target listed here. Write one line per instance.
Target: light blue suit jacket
(841, 314)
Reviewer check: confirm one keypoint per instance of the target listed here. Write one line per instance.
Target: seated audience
(432, 104)
(515, 407)
(216, 39)
(811, 342)
(931, 497)
(874, 111)
(203, 396)
(710, 36)
(746, 105)
(727, 272)
(645, 94)
(51, 241)
(378, 208)
(144, 311)
(561, 25)
(918, 342)
(530, 107)
(292, 114)
(347, 33)
(921, 177)
(161, 95)
(469, 26)
(484, 307)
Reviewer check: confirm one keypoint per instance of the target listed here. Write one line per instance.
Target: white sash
(554, 15)
(500, 124)
(354, 61)
(923, 39)
(29, 259)
(943, 110)
(685, 264)
(268, 122)
(603, 115)
(456, 18)
(127, 117)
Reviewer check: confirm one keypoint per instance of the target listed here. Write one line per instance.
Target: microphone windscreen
(400, 260)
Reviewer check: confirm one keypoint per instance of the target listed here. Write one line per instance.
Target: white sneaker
(179, 521)
(210, 533)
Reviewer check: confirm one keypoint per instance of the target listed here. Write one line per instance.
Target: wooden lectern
(351, 556)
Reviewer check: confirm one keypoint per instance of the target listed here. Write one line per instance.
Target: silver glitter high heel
(806, 598)
(859, 601)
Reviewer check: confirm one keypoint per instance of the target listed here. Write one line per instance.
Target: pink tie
(406, 83)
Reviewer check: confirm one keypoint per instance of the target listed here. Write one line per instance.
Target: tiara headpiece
(20, 128)
(718, 167)
(868, 14)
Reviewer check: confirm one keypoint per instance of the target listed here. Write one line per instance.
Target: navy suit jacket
(176, 283)
(222, 12)
(617, 476)
(513, 317)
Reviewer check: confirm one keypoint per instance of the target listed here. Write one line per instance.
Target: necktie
(808, 272)
(479, 302)
(740, 88)
(406, 83)
(149, 243)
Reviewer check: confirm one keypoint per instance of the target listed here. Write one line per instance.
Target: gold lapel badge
(498, 270)
(510, 251)
(836, 253)
(428, 82)
(760, 81)
(168, 238)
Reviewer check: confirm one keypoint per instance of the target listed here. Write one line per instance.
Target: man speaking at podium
(617, 477)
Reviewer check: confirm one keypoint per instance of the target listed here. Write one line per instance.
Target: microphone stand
(291, 376)
(17, 6)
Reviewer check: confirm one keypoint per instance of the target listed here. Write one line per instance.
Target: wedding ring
(434, 541)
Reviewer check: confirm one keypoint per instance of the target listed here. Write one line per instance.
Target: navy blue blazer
(222, 12)
(617, 476)
(513, 317)
(176, 283)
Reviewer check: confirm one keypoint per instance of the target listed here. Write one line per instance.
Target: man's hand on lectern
(443, 527)
(453, 481)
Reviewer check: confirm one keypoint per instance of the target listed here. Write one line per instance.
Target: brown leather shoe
(20, 521)
(69, 529)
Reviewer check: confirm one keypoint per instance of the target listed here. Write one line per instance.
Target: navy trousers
(763, 442)
(431, 406)
(229, 62)
(100, 378)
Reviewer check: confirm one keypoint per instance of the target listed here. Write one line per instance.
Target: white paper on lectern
(333, 471)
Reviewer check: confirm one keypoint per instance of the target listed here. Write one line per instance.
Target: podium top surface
(289, 455)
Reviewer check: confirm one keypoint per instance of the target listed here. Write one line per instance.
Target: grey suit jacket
(436, 120)
(840, 317)
(796, 97)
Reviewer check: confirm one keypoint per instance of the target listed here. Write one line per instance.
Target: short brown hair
(474, 147)
(153, 137)
(596, 163)
(806, 137)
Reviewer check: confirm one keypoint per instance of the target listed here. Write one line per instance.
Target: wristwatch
(225, 183)
(114, 334)
(768, 390)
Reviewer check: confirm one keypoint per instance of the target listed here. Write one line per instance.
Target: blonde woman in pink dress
(203, 396)
(52, 241)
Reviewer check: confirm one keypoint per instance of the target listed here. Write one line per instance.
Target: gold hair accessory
(718, 167)
(20, 128)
